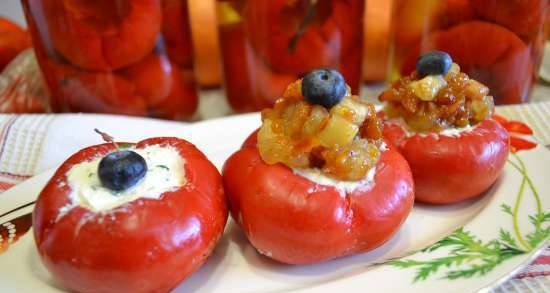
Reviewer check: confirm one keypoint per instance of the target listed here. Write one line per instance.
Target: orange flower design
(14, 229)
(516, 128)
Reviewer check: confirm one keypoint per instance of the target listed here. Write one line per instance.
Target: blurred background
(199, 59)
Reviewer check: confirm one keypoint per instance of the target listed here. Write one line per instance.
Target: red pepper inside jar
(498, 42)
(266, 45)
(131, 57)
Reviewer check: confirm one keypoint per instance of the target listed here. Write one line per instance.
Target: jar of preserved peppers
(498, 42)
(131, 57)
(266, 45)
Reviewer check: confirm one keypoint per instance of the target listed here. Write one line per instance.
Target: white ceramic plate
(489, 243)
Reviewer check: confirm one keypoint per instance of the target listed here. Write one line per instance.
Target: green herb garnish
(124, 145)
(163, 167)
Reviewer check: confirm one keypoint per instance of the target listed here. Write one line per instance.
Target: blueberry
(324, 87)
(434, 63)
(121, 170)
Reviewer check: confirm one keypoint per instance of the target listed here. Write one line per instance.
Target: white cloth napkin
(30, 144)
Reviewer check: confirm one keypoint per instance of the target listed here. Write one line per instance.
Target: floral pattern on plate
(469, 256)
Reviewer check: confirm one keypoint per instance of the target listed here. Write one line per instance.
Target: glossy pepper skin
(450, 169)
(296, 221)
(144, 246)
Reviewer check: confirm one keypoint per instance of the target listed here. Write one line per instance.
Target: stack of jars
(130, 57)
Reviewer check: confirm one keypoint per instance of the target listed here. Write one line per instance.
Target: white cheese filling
(343, 187)
(165, 172)
(450, 132)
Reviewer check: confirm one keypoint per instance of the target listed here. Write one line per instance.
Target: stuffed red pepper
(317, 181)
(440, 121)
(130, 218)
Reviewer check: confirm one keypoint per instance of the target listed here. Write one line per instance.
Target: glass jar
(498, 42)
(268, 44)
(128, 57)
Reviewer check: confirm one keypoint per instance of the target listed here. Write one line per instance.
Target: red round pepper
(143, 246)
(294, 220)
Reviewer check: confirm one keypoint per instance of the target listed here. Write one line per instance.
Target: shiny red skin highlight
(448, 169)
(296, 221)
(144, 246)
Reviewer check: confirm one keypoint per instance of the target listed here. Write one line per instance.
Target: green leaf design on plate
(507, 209)
(506, 238)
(468, 256)
(541, 233)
